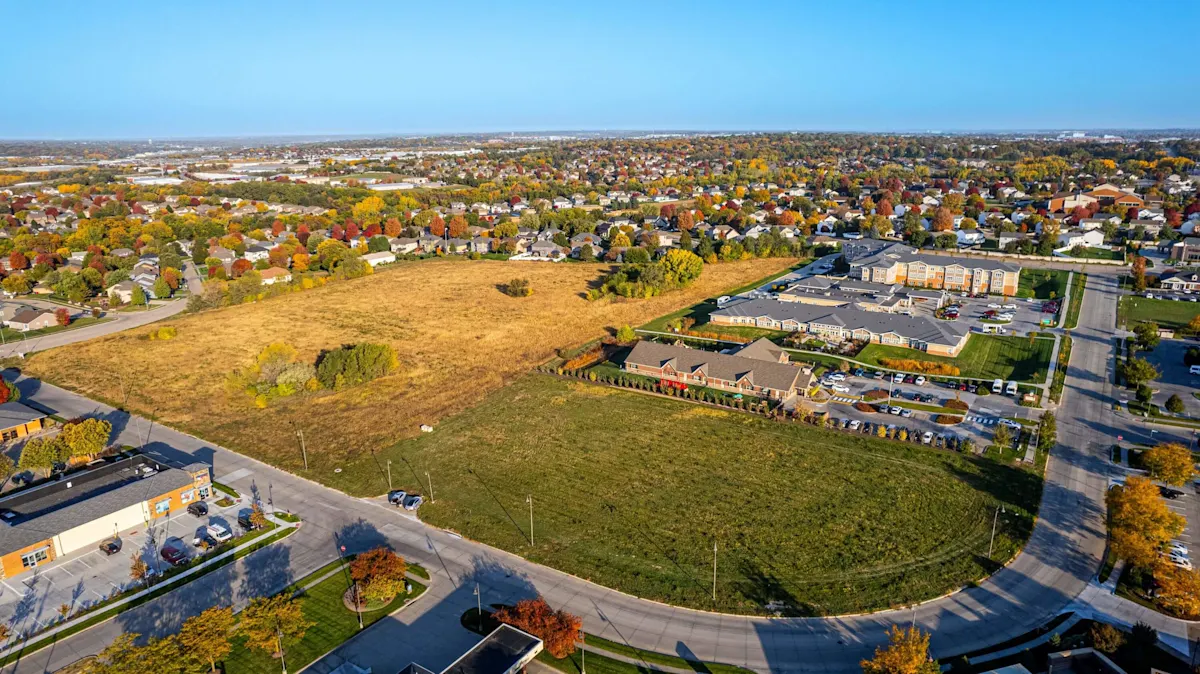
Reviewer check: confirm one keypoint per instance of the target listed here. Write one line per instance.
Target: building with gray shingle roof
(750, 374)
(944, 338)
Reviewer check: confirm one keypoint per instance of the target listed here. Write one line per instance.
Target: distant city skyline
(141, 70)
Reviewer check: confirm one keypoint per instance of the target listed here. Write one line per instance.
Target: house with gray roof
(839, 324)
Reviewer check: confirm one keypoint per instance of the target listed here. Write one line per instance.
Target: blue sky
(176, 69)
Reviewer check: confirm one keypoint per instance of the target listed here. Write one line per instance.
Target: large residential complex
(898, 263)
(760, 368)
(43, 523)
(838, 324)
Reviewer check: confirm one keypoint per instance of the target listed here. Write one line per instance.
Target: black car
(244, 521)
(198, 509)
(1167, 492)
(111, 546)
(396, 497)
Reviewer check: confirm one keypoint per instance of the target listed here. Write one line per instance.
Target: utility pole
(279, 641)
(430, 481)
(303, 449)
(993, 538)
(342, 556)
(529, 500)
(714, 570)
(389, 471)
(479, 607)
(582, 651)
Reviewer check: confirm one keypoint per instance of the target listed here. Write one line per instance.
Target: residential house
(1180, 281)
(404, 246)
(256, 253)
(122, 292)
(32, 319)
(481, 245)
(547, 250)
(1088, 238)
(382, 257)
(273, 275)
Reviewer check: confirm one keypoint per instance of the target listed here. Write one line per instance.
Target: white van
(1195, 369)
(1011, 389)
(998, 386)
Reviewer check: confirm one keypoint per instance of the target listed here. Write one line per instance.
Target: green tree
(1147, 335)
(1144, 394)
(39, 454)
(681, 267)
(1175, 404)
(162, 290)
(626, 335)
(1047, 430)
(1138, 371)
(7, 468)
(138, 296)
(272, 623)
(86, 437)
(1002, 437)
(206, 637)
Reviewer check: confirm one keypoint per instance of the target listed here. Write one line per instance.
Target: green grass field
(1098, 254)
(631, 490)
(1043, 284)
(1132, 309)
(335, 624)
(984, 357)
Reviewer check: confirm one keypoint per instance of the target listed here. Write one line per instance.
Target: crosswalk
(843, 399)
(983, 421)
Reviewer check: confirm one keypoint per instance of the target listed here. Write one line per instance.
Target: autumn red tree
(787, 219)
(352, 231)
(171, 277)
(943, 220)
(884, 208)
(667, 210)
(1131, 213)
(457, 226)
(241, 266)
(17, 260)
(684, 220)
(372, 230)
(62, 317)
(558, 630)
(437, 226)
(277, 227)
(379, 573)
(337, 233)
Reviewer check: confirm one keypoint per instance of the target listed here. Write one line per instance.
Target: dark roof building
(758, 369)
(506, 650)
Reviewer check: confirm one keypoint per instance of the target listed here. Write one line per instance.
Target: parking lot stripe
(18, 592)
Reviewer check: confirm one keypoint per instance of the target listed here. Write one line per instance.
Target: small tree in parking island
(1147, 335)
(379, 574)
(558, 630)
(1175, 404)
(138, 569)
(908, 653)
(1002, 437)
(1140, 523)
(1138, 370)
(1047, 431)
(206, 637)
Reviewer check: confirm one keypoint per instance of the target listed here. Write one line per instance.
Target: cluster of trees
(78, 439)
(355, 364)
(677, 269)
(518, 287)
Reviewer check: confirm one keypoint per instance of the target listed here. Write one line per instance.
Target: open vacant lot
(1043, 284)
(458, 338)
(631, 490)
(1133, 309)
(984, 357)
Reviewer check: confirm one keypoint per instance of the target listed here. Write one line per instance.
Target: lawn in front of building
(1043, 284)
(631, 490)
(984, 357)
(1134, 309)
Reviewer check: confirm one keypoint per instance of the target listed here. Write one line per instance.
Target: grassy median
(984, 357)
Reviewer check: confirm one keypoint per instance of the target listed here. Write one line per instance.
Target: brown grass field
(458, 338)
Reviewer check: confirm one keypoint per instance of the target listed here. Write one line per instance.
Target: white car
(897, 379)
(1009, 307)
(927, 437)
(994, 306)
(837, 376)
(1010, 423)
(1178, 549)
(920, 381)
(218, 532)
(855, 425)
(1181, 562)
(893, 410)
(840, 388)
(1006, 317)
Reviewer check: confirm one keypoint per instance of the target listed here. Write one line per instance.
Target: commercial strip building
(838, 324)
(898, 263)
(18, 421)
(81, 509)
(761, 368)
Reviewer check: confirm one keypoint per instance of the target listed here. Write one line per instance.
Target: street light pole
(303, 449)
(479, 607)
(389, 471)
(279, 640)
(529, 500)
(430, 481)
(993, 538)
(714, 570)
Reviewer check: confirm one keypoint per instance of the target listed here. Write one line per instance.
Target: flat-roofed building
(47, 521)
(18, 421)
(898, 263)
(507, 650)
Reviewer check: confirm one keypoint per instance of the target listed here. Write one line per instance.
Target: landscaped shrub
(875, 394)
(357, 364)
(864, 407)
(518, 287)
(163, 333)
(957, 404)
(922, 366)
(947, 419)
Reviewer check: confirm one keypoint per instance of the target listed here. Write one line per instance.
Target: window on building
(32, 559)
(204, 492)
(162, 506)
(187, 496)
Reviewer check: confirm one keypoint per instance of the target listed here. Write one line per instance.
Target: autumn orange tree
(379, 574)
(1178, 590)
(1170, 462)
(907, 653)
(558, 630)
(1140, 522)
(206, 637)
(457, 226)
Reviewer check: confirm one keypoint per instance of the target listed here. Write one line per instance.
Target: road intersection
(1055, 568)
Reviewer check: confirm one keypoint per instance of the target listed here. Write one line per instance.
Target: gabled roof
(732, 368)
(920, 328)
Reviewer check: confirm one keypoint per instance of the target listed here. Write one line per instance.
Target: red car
(174, 552)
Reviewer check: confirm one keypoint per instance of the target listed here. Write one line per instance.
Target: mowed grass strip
(1043, 284)
(457, 336)
(984, 356)
(1167, 313)
(631, 490)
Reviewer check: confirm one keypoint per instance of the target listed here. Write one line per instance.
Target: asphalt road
(121, 321)
(1060, 558)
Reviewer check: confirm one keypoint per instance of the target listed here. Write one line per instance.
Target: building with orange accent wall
(81, 509)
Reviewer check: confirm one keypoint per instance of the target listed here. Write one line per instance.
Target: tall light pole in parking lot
(529, 500)
(995, 518)
(389, 471)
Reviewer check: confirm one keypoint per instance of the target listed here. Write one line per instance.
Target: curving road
(120, 321)
(1057, 564)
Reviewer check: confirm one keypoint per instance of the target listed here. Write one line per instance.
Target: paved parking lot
(1175, 379)
(979, 424)
(89, 576)
(1028, 314)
